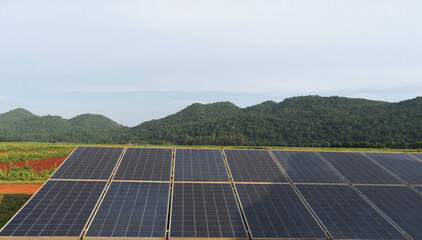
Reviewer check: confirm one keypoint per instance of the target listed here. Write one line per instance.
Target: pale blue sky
(138, 60)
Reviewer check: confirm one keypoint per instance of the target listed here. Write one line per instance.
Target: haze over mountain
(297, 121)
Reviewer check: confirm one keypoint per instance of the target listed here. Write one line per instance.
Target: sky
(134, 61)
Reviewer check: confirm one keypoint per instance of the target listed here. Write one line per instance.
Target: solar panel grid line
(417, 156)
(61, 165)
(385, 169)
(144, 217)
(208, 162)
(276, 226)
(363, 197)
(171, 234)
(298, 161)
(243, 161)
(403, 166)
(314, 215)
(386, 199)
(358, 169)
(80, 164)
(43, 199)
(333, 168)
(149, 164)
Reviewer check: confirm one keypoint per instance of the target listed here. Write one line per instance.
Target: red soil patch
(23, 188)
(37, 165)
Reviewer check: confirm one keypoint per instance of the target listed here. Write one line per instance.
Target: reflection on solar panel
(401, 204)
(403, 165)
(253, 166)
(276, 211)
(306, 167)
(132, 209)
(345, 214)
(357, 168)
(149, 164)
(89, 163)
(60, 208)
(200, 165)
(205, 210)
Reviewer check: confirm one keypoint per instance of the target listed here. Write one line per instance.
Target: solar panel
(132, 209)
(253, 166)
(403, 165)
(89, 163)
(418, 155)
(401, 204)
(306, 167)
(60, 208)
(357, 168)
(200, 165)
(345, 214)
(276, 211)
(205, 210)
(149, 164)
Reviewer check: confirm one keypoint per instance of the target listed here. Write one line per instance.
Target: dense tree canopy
(297, 121)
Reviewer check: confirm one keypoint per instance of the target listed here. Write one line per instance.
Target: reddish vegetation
(37, 165)
(23, 188)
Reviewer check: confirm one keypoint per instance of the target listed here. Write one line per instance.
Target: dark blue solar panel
(205, 210)
(401, 164)
(60, 208)
(400, 203)
(345, 214)
(253, 166)
(148, 164)
(306, 167)
(89, 163)
(357, 168)
(417, 155)
(200, 165)
(276, 211)
(132, 209)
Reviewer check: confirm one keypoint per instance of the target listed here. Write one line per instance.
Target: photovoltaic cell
(149, 164)
(345, 214)
(400, 203)
(200, 165)
(132, 209)
(276, 211)
(60, 208)
(89, 163)
(403, 165)
(253, 166)
(357, 168)
(205, 210)
(306, 167)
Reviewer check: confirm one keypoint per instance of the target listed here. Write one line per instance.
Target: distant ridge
(297, 121)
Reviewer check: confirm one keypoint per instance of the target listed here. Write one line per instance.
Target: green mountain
(297, 121)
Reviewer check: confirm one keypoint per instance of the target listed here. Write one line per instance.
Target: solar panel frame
(261, 169)
(239, 213)
(358, 168)
(403, 165)
(211, 157)
(345, 214)
(401, 204)
(306, 167)
(115, 186)
(417, 155)
(134, 160)
(63, 172)
(40, 194)
(285, 216)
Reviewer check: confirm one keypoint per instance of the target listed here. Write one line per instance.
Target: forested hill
(297, 121)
